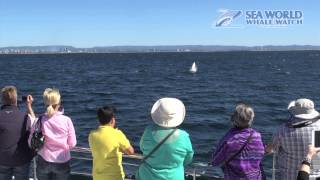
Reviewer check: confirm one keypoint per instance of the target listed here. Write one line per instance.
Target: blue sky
(147, 22)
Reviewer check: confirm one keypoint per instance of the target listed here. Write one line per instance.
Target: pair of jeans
(52, 171)
(19, 172)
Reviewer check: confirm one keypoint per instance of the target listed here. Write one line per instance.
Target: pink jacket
(60, 138)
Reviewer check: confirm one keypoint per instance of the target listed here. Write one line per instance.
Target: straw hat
(168, 112)
(303, 109)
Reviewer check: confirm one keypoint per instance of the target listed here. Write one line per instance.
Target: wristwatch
(306, 161)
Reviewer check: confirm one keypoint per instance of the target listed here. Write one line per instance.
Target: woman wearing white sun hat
(166, 162)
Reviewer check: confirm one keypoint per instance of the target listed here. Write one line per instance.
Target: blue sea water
(133, 82)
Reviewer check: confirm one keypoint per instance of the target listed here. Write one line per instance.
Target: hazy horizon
(159, 45)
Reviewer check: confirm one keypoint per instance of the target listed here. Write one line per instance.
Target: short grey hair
(242, 116)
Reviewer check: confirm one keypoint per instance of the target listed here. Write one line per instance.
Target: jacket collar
(8, 107)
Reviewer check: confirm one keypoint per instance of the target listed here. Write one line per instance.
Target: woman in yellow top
(107, 145)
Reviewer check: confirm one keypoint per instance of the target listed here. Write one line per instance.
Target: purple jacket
(245, 165)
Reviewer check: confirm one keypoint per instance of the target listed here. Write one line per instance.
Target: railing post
(34, 169)
(194, 173)
(274, 166)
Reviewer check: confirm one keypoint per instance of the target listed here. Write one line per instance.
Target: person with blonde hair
(59, 134)
(15, 155)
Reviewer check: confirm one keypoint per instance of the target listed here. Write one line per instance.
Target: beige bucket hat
(168, 112)
(303, 109)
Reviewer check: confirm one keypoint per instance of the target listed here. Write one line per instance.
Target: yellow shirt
(106, 143)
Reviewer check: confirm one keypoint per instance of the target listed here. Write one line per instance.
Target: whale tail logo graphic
(227, 17)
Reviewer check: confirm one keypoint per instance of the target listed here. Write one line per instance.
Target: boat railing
(194, 171)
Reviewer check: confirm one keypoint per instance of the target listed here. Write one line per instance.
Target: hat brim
(174, 121)
(311, 115)
(292, 109)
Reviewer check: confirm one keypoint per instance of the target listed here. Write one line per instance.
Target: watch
(306, 161)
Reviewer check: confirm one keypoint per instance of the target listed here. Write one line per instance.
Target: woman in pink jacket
(58, 131)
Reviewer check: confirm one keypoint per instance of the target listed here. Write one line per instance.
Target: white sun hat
(168, 112)
(303, 109)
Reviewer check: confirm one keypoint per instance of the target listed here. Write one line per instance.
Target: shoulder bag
(37, 139)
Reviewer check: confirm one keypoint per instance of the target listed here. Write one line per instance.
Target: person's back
(292, 138)
(293, 144)
(240, 151)
(168, 160)
(59, 136)
(176, 151)
(247, 164)
(107, 145)
(13, 137)
(15, 154)
(53, 160)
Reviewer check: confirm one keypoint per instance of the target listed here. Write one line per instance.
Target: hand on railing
(87, 150)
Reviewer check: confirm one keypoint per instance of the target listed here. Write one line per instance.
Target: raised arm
(29, 106)
(31, 117)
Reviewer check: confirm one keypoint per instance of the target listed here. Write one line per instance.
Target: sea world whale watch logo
(260, 18)
(227, 17)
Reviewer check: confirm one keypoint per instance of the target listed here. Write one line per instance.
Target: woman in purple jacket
(241, 150)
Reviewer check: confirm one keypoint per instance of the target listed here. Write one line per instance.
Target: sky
(90, 23)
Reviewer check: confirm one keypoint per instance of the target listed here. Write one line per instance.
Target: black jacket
(14, 149)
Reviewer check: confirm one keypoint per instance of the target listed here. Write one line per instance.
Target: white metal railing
(193, 172)
(274, 166)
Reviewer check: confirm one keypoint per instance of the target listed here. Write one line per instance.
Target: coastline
(159, 52)
(152, 49)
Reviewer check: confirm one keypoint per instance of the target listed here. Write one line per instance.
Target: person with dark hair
(107, 145)
(240, 151)
(15, 156)
(105, 114)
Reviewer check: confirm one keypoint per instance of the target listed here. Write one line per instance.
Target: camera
(24, 98)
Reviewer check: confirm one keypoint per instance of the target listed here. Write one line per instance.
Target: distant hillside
(144, 49)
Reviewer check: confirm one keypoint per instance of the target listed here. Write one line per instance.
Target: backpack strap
(157, 146)
(240, 150)
(38, 126)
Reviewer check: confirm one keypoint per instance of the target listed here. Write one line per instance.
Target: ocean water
(133, 82)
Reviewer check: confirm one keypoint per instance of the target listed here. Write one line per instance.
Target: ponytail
(50, 110)
(51, 98)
